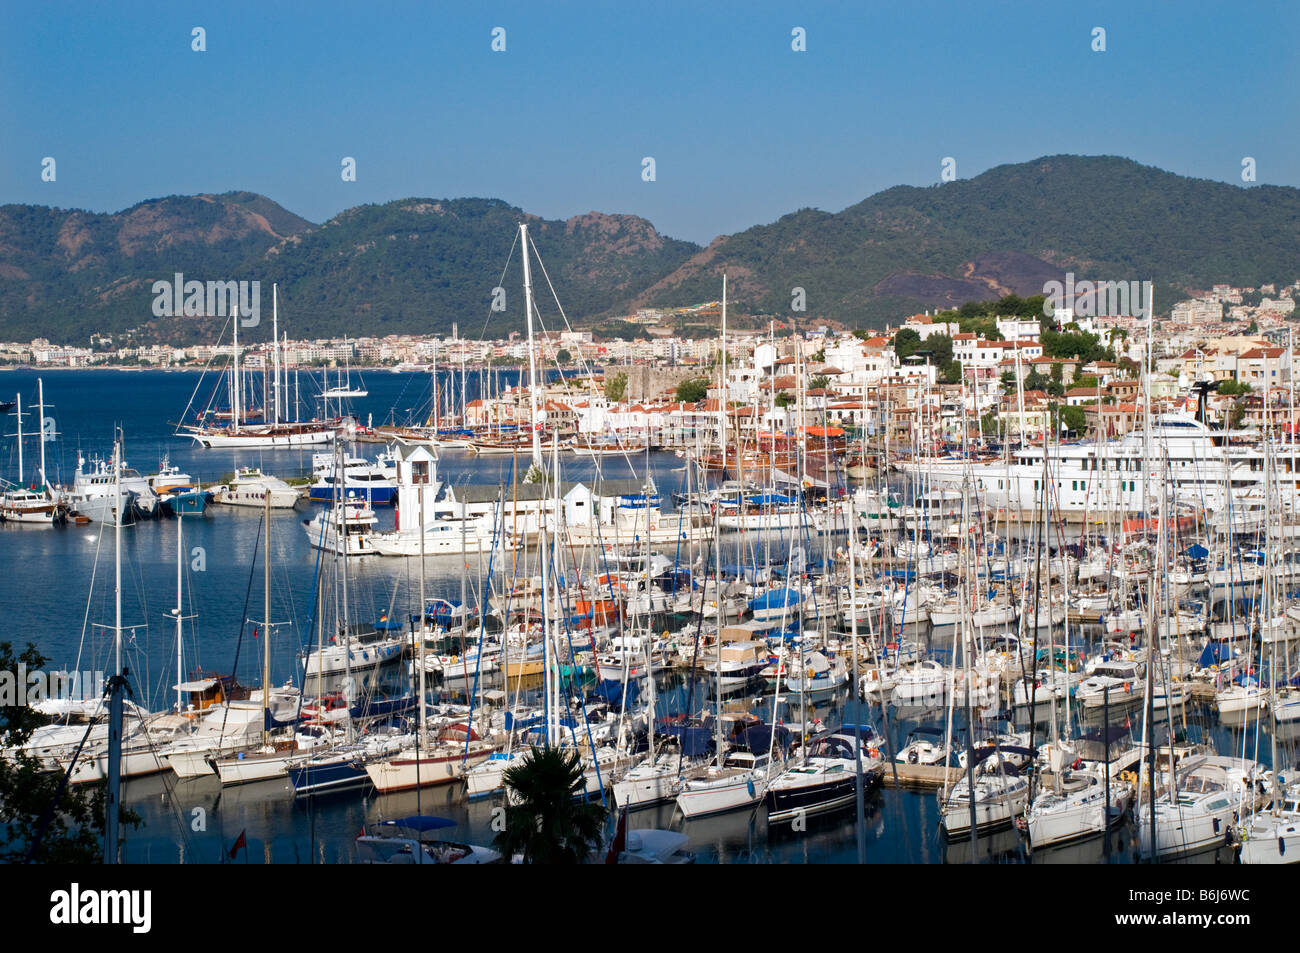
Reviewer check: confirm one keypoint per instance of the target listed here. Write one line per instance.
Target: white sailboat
(275, 433)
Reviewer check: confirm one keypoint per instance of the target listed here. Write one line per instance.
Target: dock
(925, 777)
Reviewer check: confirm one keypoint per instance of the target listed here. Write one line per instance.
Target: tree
(1075, 419)
(548, 823)
(1233, 388)
(989, 423)
(783, 400)
(820, 382)
(819, 357)
(906, 343)
(563, 357)
(74, 832)
(1036, 381)
(693, 391)
(616, 387)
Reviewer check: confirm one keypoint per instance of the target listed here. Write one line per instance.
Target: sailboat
(277, 752)
(276, 433)
(344, 390)
(31, 505)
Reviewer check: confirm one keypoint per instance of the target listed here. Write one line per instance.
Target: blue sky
(742, 128)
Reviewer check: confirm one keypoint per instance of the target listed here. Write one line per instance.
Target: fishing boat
(32, 507)
(93, 490)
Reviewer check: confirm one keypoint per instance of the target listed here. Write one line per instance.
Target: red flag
(239, 842)
(619, 843)
(254, 631)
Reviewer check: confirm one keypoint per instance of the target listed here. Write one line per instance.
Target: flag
(239, 842)
(619, 844)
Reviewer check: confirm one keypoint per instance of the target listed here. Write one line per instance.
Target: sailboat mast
(19, 418)
(532, 353)
(40, 424)
(423, 609)
(234, 378)
(857, 722)
(275, 355)
(180, 550)
(341, 530)
(114, 791)
(266, 626)
(722, 401)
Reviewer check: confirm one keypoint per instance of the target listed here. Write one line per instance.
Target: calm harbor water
(59, 594)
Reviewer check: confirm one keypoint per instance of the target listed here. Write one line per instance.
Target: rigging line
(500, 284)
(94, 571)
(48, 816)
(234, 667)
(199, 382)
(498, 519)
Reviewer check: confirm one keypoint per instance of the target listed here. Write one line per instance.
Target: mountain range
(419, 265)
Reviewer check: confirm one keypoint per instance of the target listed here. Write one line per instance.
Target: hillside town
(926, 381)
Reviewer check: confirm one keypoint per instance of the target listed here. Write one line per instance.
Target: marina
(713, 644)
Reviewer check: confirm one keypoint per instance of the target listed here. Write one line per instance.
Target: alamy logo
(1097, 298)
(74, 906)
(28, 688)
(195, 299)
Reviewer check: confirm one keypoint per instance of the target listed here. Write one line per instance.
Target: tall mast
(722, 401)
(114, 792)
(275, 355)
(1152, 651)
(180, 550)
(40, 424)
(341, 530)
(857, 722)
(423, 609)
(266, 627)
(532, 355)
(234, 379)
(19, 418)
